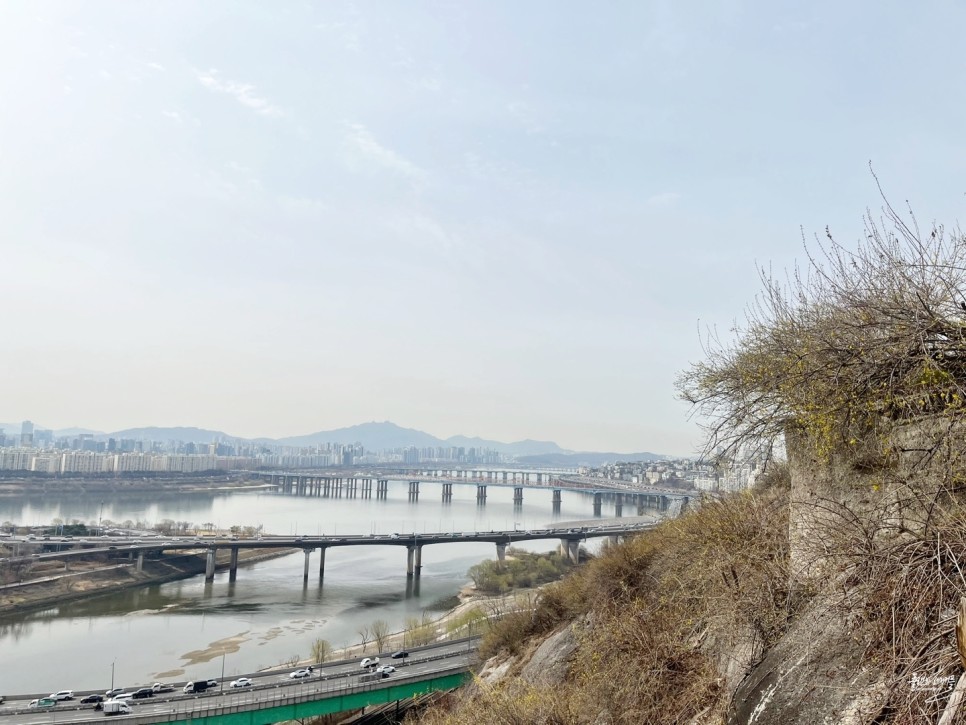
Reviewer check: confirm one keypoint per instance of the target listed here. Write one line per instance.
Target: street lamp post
(112, 672)
(223, 672)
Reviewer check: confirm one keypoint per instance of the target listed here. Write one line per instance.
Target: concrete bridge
(355, 486)
(569, 537)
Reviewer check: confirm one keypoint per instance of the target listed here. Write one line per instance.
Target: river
(187, 629)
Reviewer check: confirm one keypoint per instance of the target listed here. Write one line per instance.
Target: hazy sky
(504, 219)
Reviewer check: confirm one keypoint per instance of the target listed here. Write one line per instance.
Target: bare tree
(380, 633)
(321, 650)
(365, 636)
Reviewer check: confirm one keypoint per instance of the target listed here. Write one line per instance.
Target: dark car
(400, 654)
(142, 692)
(90, 699)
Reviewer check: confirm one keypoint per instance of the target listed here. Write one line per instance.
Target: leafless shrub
(855, 341)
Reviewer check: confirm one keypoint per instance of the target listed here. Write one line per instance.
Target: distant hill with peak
(177, 433)
(374, 436)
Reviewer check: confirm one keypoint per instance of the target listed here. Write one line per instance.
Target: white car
(62, 695)
(241, 682)
(300, 673)
(386, 669)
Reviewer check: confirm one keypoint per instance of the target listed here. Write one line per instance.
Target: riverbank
(469, 617)
(50, 590)
(15, 486)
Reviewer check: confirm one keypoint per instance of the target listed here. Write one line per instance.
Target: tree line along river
(188, 629)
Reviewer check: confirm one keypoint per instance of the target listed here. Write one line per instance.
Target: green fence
(329, 702)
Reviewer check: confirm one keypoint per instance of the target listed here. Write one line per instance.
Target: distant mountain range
(373, 436)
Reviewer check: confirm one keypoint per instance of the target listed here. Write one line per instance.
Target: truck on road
(116, 707)
(199, 686)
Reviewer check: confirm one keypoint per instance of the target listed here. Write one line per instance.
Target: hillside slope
(703, 620)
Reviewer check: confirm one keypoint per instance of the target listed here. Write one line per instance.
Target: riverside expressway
(269, 689)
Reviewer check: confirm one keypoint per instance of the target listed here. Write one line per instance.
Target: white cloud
(666, 198)
(174, 116)
(429, 83)
(364, 145)
(524, 114)
(242, 92)
(156, 66)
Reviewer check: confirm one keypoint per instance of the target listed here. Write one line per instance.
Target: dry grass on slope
(647, 611)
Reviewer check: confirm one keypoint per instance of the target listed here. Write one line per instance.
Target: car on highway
(386, 669)
(369, 662)
(400, 654)
(241, 682)
(141, 693)
(42, 702)
(91, 699)
(298, 674)
(123, 696)
(111, 693)
(62, 695)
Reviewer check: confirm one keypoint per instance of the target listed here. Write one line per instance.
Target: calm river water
(179, 630)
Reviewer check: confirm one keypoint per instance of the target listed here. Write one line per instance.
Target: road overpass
(275, 696)
(138, 548)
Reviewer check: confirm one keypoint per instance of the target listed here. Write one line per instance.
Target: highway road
(268, 687)
(122, 544)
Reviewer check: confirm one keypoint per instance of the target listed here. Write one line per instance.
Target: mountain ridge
(373, 435)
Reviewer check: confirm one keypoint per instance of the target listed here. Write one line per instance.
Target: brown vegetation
(830, 593)
(641, 614)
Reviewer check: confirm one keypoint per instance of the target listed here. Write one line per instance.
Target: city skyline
(509, 221)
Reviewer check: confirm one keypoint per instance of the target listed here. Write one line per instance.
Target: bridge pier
(140, 565)
(410, 560)
(598, 502)
(447, 492)
(570, 550)
(210, 565)
(518, 496)
(501, 552)
(233, 566)
(382, 487)
(618, 505)
(480, 494)
(367, 488)
(305, 573)
(419, 559)
(414, 490)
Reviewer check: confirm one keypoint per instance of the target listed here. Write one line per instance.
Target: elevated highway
(274, 696)
(138, 548)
